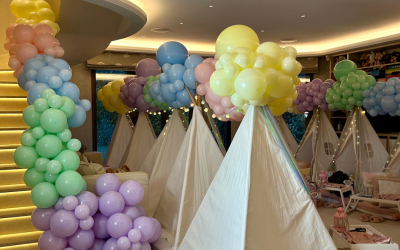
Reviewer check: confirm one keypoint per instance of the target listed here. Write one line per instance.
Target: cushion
(374, 178)
(388, 186)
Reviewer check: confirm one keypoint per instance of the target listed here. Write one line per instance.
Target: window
(328, 147)
(368, 150)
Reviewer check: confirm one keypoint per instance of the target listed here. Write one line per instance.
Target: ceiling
(329, 26)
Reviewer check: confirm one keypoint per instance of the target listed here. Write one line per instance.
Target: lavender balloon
(64, 223)
(135, 246)
(99, 226)
(123, 243)
(111, 202)
(41, 218)
(145, 246)
(134, 235)
(147, 67)
(312, 95)
(81, 239)
(118, 225)
(82, 212)
(132, 192)
(87, 223)
(50, 241)
(145, 226)
(90, 200)
(97, 244)
(107, 182)
(157, 230)
(142, 212)
(59, 204)
(111, 244)
(132, 212)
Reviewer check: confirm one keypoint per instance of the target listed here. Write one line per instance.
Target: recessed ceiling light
(180, 23)
(303, 16)
(143, 36)
(160, 30)
(210, 6)
(262, 30)
(288, 40)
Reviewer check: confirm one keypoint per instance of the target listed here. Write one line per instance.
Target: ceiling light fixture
(160, 30)
(180, 23)
(143, 36)
(262, 30)
(303, 16)
(288, 40)
(210, 6)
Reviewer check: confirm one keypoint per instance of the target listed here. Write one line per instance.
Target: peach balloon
(23, 33)
(10, 29)
(7, 45)
(13, 49)
(59, 51)
(18, 71)
(213, 97)
(26, 51)
(12, 40)
(56, 42)
(203, 72)
(226, 102)
(50, 51)
(218, 109)
(201, 89)
(14, 63)
(43, 40)
(43, 28)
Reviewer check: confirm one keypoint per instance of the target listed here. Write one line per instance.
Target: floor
(388, 227)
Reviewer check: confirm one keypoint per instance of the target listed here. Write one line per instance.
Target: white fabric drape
(255, 201)
(393, 161)
(119, 142)
(289, 138)
(197, 163)
(165, 160)
(140, 144)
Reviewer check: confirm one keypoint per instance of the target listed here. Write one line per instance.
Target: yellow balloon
(107, 91)
(116, 86)
(31, 22)
(265, 99)
(40, 4)
(231, 70)
(24, 7)
(34, 16)
(250, 84)
(289, 65)
(226, 59)
(244, 50)
(108, 106)
(272, 52)
(220, 84)
(281, 87)
(121, 109)
(295, 110)
(46, 14)
(289, 51)
(299, 68)
(237, 100)
(286, 101)
(21, 20)
(100, 95)
(236, 36)
(277, 111)
(243, 60)
(14, 7)
(260, 63)
(271, 75)
(115, 101)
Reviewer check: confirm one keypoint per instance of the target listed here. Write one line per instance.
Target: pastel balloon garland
(312, 95)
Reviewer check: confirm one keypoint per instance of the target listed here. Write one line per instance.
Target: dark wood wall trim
(94, 110)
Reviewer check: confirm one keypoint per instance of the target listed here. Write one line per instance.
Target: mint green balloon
(361, 79)
(41, 105)
(370, 80)
(356, 86)
(27, 139)
(68, 106)
(359, 103)
(74, 145)
(357, 94)
(69, 183)
(38, 132)
(146, 90)
(336, 98)
(331, 106)
(349, 107)
(64, 146)
(147, 98)
(51, 178)
(31, 116)
(69, 160)
(348, 93)
(41, 164)
(344, 101)
(65, 135)
(32, 177)
(55, 101)
(361, 73)
(49, 146)
(44, 195)
(25, 157)
(343, 87)
(53, 167)
(152, 104)
(351, 100)
(343, 68)
(364, 85)
(47, 93)
(53, 120)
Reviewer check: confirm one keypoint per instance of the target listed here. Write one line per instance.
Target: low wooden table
(341, 190)
(357, 198)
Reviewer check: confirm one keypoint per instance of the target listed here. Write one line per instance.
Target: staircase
(16, 229)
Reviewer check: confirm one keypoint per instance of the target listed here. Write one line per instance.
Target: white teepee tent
(119, 141)
(287, 134)
(197, 163)
(165, 159)
(392, 164)
(140, 143)
(318, 143)
(258, 199)
(359, 148)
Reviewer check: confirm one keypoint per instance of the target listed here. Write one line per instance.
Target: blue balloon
(183, 96)
(379, 97)
(65, 75)
(168, 96)
(373, 112)
(376, 89)
(378, 107)
(156, 87)
(381, 85)
(172, 104)
(171, 88)
(372, 102)
(22, 80)
(29, 85)
(397, 98)
(398, 112)
(365, 93)
(388, 103)
(59, 64)
(390, 90)
(179, 85)
(176, 72)
(55, 82)
(382, 112)
(31, 74)
(34, 63)
(85, 104)
(152, 93)
(192, 91)
(48, 58)
(36, 90)
(397, 88)
(78, 118)
(390, 83)
(171, 52)
(70, 90)
(392, 113)
(163, 78)
(193, 61)
(179, 104)
(160, 99)
(189, 78)
(366, 103)
(166, 67)
(372, 94)
(45, 73)
(40, 56)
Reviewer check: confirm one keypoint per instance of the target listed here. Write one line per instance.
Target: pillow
(303, 164)
(375, 182)
(374, 178)
(389, 186)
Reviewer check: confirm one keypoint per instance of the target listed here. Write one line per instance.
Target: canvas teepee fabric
(258, 199)
(140, 143)
(392, 165)
(165, 159)
(318, 144)
(359, 148)
(287, 134)
(197, 163)
(119, 141)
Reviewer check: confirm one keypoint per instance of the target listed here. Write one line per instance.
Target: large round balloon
(147, 67)
(234, 37)
(172, 53)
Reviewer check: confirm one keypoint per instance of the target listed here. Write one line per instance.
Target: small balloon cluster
(45, 72)
(348, 90)
(34, 12)
(112, 221)
(253, 73)
(220, 105)
(25, 41)
(312, 95)
(47, 150)
(109, 95)
(178, 68)
(383, 98)
(148, 92)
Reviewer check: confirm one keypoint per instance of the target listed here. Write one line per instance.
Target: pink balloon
(10, 29)
(14, 63)
(226, 102)
(41, 218)
(147, 67)
(324, 106)
(13, 49)
(296, 102)
(305, 104)
(121, 95)
(141, 104)
(309, 99)
(49, 241)
(317, 101)
(26, 51)
(141, 80)
(135, 90)
(203, 72)
(18, 71)
(213, 97)
(310, 108)
(50, 51)
(201, 89)
(218, 109)
(23, 33)
(43, 28)
(208, 60)
(301, 108)
(43, 41)
(56, 42)
(7, 45)
(59, 51)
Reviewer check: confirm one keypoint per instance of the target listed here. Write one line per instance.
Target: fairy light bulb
(166, 120)
(213, 116)
(159, 113)
(228, 116)
(150, 113)
(192, 105)
(220, 118)
(206, 110)
(203, 102)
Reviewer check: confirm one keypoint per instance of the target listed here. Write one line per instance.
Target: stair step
(7, 156)
(7, 77)
(13, 240)
(10, 137)
(16, 225)
(14, 188)
(8, 166)
(31, 246)
(11, 90)
(13, 104)
(15, 199)
(12, 122)
(17, 211)
(10, 177)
